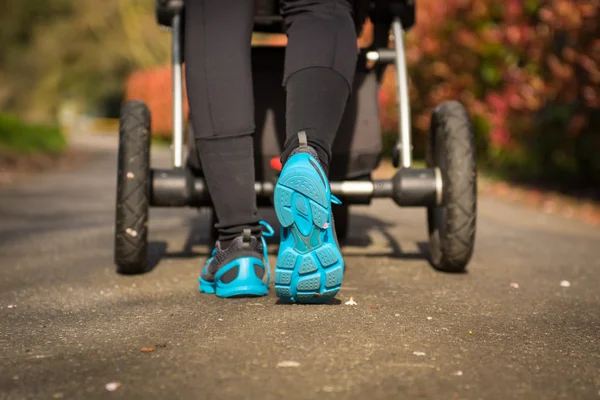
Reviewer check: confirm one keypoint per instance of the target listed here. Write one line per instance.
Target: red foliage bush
(528, 72)
(153, 87)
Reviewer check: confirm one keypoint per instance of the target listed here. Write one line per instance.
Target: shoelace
(268, 233)
(214, 251)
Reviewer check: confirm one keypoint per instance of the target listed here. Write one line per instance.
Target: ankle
(229, 234)
(313, 147)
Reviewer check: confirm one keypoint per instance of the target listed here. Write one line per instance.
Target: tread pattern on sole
(309, 269)
(334, 277)
(288, 260)
(307, 266)
(305, 186)
(283, 277)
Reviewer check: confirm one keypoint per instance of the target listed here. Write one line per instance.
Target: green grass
(19, 137)
(161, 141)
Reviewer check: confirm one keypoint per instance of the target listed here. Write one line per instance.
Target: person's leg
(319, 70)
(219, 88)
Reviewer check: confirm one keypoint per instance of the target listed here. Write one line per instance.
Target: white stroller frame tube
(404, 145)
(177, 93)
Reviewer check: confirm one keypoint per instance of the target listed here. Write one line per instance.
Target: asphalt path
(507, 329)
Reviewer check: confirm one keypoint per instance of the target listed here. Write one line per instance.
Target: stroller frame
(447, 187)
(410, 186)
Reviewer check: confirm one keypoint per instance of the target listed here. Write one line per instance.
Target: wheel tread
(452, 129)
(132, 193)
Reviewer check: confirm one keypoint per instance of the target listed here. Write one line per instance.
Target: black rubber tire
(193, 159)
(133, 189)
(341, 216)
(451, 148)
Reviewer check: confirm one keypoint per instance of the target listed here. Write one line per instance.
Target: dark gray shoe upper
(306, 149)
(242, 246)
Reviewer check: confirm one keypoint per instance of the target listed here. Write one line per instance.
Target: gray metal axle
(409, 187)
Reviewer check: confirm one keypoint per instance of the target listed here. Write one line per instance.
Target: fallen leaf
(112, 386)
(148, 349)
(288, 364)
(11, 306)
(351, 302)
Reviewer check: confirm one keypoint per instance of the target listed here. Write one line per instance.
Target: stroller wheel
(451, 148)
(133, 177)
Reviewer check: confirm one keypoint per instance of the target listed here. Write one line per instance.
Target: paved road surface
(69, 325)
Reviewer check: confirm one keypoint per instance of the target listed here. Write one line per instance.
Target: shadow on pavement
(331, 302)
(360, 225)
(366, 223)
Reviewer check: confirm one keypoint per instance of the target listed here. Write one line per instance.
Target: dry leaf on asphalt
(112, 386)
(351, 302)
(148, 349)
(288, 364)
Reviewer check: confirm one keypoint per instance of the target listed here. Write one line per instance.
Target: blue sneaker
(240, 269)
(310, 267)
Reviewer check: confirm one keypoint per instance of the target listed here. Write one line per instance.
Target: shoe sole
(309, 267)
(246, 283)
(239, 291)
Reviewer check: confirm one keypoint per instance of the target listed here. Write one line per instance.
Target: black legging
(319, 69)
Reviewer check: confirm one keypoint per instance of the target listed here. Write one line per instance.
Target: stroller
(447, 187)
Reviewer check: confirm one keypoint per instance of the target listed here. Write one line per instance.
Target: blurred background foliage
(527, 70)
(77, 51)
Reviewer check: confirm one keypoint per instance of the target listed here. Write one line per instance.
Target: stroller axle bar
(409, 187)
